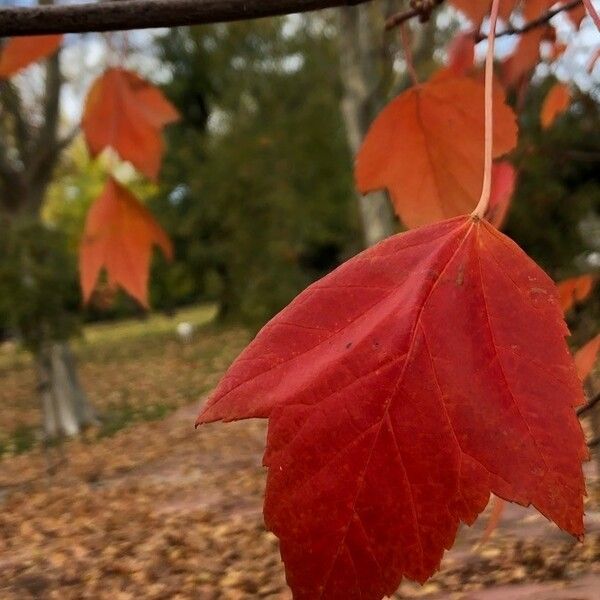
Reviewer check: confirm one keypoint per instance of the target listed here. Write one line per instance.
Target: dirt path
(162, 511)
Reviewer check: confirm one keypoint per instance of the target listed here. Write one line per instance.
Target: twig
(534, 23)
(423, 11)
(589, 405)
(595, 442)
(401, 17)
(592, 12)
(408, 57)
(143, 14)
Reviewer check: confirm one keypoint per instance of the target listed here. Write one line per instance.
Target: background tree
(257, 201)
(31, 144)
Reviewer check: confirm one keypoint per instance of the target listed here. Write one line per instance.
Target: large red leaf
(402, 389)
(426, 148)
(126, 113)
(119, 235)
(20, 52)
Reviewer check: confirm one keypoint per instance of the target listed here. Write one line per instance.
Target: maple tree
(423, 374)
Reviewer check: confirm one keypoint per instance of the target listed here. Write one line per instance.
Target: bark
(363, 65)
(66, 410)
(594, 419)
(26, 170)
(140, 14)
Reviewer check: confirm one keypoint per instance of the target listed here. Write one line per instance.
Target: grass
(133, 371)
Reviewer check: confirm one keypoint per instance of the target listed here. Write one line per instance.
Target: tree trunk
(594, 419)
(65, 406)
(363, 67)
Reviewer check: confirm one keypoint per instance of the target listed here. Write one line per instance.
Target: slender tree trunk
(362, 63)
(594, 419)
(65, 406)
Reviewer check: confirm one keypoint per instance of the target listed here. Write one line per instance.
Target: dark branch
(595, 442)
(424, 12)
(11, 103)
(143, 14)
(541, 21)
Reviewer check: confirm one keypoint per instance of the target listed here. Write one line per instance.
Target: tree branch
(424, 12)
(143, 14)
(11, 102)
(535, 23)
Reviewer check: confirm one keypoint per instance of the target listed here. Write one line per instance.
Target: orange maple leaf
(525, 56)
(20, 52)
(461, 53)
(585, 357)
(477, 10)
(426, 148)
(119, 235)
(577, 14)
(574, 290)
(504, 178)
(126, 113)
(556, 102)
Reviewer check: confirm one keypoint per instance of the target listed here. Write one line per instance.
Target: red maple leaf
(402, 389)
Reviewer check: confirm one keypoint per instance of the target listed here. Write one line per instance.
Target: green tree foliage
(38, 287)
(558, 196)
(258, 195)
(559, 183)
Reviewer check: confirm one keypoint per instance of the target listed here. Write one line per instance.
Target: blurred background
(120, 498)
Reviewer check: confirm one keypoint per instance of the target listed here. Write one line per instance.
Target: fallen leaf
(504, 179)
(574, 290)
(126, 113)
(19, 52)
(556, 102)
(119, 235)
(402, 389)
(585, 357)
(426, 148)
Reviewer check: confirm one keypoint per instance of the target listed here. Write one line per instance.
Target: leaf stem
(486, 190)
(592, 12)
(408, 57)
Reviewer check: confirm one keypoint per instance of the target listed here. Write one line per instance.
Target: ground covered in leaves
(145, 507)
